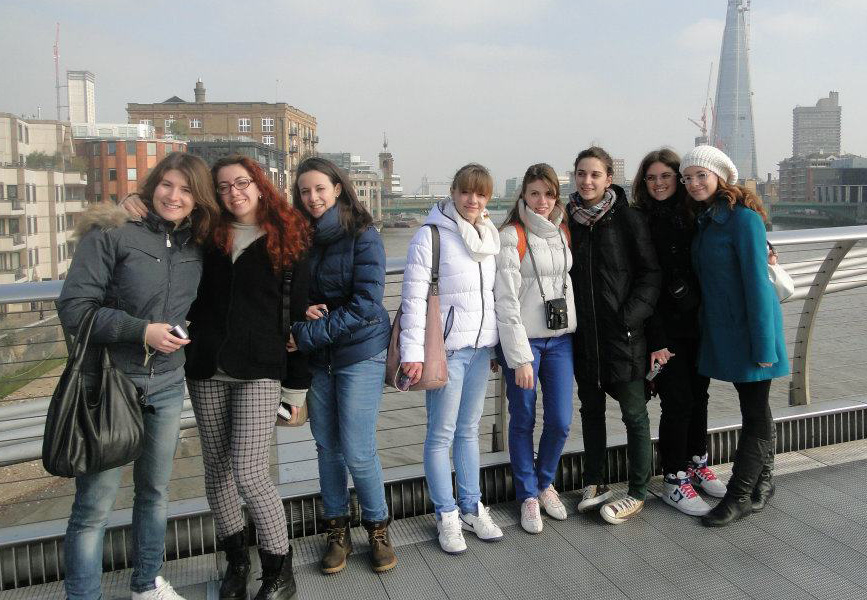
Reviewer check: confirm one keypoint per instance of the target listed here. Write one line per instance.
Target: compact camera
(556, 314)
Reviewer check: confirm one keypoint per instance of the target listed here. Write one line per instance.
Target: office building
(816, 129)
(81, 94)
(272, 161)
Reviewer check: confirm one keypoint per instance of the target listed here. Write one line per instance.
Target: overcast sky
(503, 82)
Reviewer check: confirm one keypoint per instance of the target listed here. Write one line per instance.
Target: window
(97, 197)
(195, 123)
(244, 125)
(112, 149)
(130, 148)
(168, 125)
(361, 193)
(32, 226)
(33, 257)
(58, 194)
(1, 190)
(112, 174)
(97, 174)
(12, 192)
(20, 133)
(267, 124)
(26, 135)
(152, 149)
(147, 122)
(131, 174)
(268, 140)
(113, 198)
(94, 149)
(27, 193)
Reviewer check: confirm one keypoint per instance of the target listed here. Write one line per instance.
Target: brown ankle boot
(382, 556)
(339, 545)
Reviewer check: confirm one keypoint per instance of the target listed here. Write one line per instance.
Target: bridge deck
(811, 542)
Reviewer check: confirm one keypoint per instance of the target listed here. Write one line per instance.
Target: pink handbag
(435, 373)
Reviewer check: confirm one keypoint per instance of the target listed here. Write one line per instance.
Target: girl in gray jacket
(535, 312)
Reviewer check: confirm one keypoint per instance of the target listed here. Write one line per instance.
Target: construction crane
(57, 67)
(701, 123)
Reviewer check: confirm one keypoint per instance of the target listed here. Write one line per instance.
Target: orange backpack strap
(522, 241)
(568, 234)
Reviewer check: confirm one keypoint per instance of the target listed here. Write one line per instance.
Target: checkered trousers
(236, 423)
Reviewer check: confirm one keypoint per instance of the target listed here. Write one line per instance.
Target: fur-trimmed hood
(102, 215)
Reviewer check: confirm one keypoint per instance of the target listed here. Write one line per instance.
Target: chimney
(200, 92)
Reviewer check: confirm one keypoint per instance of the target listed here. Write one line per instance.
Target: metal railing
(821, 262)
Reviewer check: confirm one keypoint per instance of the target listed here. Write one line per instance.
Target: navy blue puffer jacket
(347, 273)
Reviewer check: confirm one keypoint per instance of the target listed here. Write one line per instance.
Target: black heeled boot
(765, 486)
(278, 580)
(234, 585)
(737, 503)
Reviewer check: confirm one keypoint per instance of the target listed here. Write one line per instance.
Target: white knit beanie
(713, 159)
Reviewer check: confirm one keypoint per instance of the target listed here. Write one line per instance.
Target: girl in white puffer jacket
(468, 244)
(535, 313)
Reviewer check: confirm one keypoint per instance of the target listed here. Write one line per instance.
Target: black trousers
(683, 399)
(755, 410)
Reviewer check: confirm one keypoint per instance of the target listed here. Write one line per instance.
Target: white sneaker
(618, 511)
(531, 518)
(593, 495)
(704, 478)
(549, 499)
(680, 494)
(162, 591)
(482, 525)
(449, 533)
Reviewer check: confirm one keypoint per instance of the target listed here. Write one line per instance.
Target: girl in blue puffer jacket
(346, 336)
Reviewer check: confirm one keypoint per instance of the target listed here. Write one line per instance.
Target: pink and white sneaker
(704, 478)
(680, 494)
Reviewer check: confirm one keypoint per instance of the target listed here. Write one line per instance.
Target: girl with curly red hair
(237, 358)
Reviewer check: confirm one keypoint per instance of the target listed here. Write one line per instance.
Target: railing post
(799, 385)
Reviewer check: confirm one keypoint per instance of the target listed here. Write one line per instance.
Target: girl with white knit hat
(742, 324)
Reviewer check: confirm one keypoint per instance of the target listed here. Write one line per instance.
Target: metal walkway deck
(811, 542)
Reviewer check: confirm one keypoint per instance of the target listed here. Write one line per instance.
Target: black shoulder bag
(556, 311)
(88, 430)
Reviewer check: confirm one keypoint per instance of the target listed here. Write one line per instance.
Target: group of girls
(287, 302)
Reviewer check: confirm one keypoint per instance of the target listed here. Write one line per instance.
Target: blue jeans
(343, 406)
(95, 495)
(453, 414)
(552, 369)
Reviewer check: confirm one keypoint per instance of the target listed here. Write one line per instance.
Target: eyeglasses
(242, 183)
(665, 178)
(700, 177)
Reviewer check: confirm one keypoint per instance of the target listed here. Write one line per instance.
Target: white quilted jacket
(466, 289)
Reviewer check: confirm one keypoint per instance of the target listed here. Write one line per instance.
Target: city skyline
(502, 83)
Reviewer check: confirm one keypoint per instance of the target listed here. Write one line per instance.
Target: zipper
(593, 308)
(168, 240)
(482, 291)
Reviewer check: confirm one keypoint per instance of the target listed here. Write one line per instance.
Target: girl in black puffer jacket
(616, 279)
(673, 334)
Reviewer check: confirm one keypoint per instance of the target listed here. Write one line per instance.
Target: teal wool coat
(741, 318)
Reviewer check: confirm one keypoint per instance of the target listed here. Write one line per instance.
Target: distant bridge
(813, 214)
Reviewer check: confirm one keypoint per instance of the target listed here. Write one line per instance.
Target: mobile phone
(403, 382)
(657, 367)
(179, 332)
(284, 412)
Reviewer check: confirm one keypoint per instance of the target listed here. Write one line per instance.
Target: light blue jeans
(453, 414)
(343, 406)
(95, 495)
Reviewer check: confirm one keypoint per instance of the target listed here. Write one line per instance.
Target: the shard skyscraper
(733, 130)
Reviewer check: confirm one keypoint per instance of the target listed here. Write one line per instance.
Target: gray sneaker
(592, 496)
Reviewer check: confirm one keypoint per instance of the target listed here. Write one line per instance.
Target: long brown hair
(641, 198)
(287, 232)
(353, 217)
(538, 172)
(737, 194)
(205, 209)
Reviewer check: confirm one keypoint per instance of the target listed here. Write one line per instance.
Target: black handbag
(93, 428)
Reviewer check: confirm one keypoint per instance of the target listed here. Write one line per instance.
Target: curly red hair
(738, 194)
(287, 232)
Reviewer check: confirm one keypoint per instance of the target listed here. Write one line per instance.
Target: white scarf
(481, 240)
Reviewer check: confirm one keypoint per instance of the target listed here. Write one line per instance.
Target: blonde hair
(473, 178)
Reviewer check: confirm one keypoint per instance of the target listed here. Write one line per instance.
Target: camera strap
(536, 272)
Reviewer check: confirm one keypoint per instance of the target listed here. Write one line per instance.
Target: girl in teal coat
(741, 321)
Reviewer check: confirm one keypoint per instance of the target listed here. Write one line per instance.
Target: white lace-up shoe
(593, 495)
(449, 533)
(704, 478)
(481, 524)
(531, 518)
(620, 510)
(162, 591)
(549, 500)
(680, 494)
